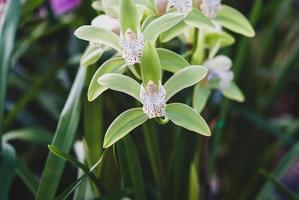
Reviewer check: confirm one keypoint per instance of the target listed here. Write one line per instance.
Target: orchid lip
(153, 100)
(132, 45)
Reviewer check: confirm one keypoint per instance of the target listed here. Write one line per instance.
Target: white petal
(107, 22)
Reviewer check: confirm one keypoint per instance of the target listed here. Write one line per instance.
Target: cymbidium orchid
(154, 96)
(220, 77)
(220, 71)
(131, 39)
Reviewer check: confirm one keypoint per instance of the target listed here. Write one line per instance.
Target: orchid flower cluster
(138, 31)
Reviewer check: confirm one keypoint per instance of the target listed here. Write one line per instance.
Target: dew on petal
(153, 100)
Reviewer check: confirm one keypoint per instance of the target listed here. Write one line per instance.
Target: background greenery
(252, 153)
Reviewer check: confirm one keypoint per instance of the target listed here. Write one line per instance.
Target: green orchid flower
(154, 97)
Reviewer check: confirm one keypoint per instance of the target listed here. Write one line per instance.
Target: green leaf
(175, 31)
(121, 83)
(7, 169)
(266, 191)
(98, 35)
(91, 55)
(233, 92)
(198, 20)
(27, 176)
(184, 78)
(63, 139)
(38, 136)
(171, 61)
(134, 168)
(185, 116)
(7, 40)
(93, 113)
(281, 187)
(128, 16)
(114, 65)
(161, 24)
(201, 95)
(150, 64)
(66, 193)
(123, 124)
(233, 20)
(61, 154)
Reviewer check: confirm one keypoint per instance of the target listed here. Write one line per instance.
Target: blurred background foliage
(253, 152)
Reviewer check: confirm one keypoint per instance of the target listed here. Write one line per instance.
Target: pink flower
(63, 6)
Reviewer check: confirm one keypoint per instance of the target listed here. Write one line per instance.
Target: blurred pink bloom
(63, 6)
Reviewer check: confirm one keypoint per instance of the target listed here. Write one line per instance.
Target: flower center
(210, 8)
(182, 6)
(153, 100)
(132, 46)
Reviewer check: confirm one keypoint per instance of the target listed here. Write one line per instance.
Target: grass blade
(7, 170)
(7, 39)
(131, 170)
(63, 139)
(27, 176)
(38, 136)
(65, 194)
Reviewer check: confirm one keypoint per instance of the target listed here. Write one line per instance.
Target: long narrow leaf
(7, 40)
(7, 169)
(63, 139)
(38, 136)
(65, 194)
(27, 176)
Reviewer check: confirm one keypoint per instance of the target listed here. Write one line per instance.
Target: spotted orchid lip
(182, 6)
(132, 45)
(153, 100)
